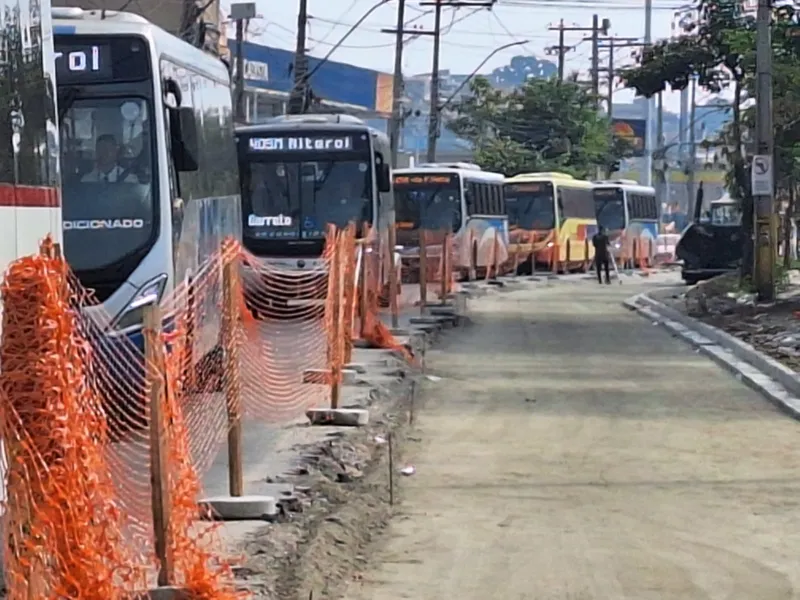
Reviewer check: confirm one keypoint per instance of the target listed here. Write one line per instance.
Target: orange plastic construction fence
(106, 436)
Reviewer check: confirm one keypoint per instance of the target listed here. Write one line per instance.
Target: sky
(470, 34)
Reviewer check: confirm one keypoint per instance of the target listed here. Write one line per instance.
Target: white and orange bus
(461, 198)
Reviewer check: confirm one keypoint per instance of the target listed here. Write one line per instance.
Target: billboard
(633, 130)
(330, 80)
(384, 86)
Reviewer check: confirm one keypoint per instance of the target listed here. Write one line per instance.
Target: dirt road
(574, 451)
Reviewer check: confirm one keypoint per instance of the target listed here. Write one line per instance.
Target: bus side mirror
(183, 139)
(384, 178)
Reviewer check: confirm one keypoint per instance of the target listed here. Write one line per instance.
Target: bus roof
(76, 21)
(627, 185)
(333, 123)
(553, 177)
(432, 168)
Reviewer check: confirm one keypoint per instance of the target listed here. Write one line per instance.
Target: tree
(543, 125)
(718, 49)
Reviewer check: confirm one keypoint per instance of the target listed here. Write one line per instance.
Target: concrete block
(349, 377)
(426, 320)
(442, 311)
(278, 491)
(338, 417)
(243, 508)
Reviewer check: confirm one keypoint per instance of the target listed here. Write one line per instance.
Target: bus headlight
(149, 294)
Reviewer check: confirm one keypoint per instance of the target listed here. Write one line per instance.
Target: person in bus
(106, 159)
(601, 244)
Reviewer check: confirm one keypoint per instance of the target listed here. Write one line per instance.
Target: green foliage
(542, 126)
(715, 49)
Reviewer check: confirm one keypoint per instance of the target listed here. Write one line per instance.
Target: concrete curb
(779, 384)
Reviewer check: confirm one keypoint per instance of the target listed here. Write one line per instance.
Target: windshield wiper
(66, 98)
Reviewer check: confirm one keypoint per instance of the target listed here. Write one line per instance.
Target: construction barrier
(107, 436)
(666, 244)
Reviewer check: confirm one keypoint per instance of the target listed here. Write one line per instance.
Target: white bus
(149, 173)
(460, 197)
(629, 212)
(150, 184)
(301, 173)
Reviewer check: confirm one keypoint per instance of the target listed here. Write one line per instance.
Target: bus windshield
(107, 180)
(297, 199)
(109, 198)
(530, 206)
(428, 201)
(609, 206)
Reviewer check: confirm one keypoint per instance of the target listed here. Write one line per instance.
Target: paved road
(574, 451)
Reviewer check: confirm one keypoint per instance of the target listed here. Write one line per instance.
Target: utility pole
(596, 60)
(596, 29)
(763, 177)
(299, 95)
(648, 137)
(691, 153)
(397, 85)
(612, 44)
(433, 116)
(433, 109)
(661, 180)
(560, 50)
(610, 78)
(241, 13)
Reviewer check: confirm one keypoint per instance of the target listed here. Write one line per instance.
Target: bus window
(500, 199)
(642, 207)
(578, 203)
(428, 201)
(610, 208)
(530, 205)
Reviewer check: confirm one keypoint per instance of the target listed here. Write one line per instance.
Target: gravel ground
(572, 450)
(341, 503)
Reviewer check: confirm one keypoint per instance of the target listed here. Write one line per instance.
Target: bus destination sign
(606, 192)
(83, 62)
(528, 187)
(422, 179)
(301, 143)
(100, 59)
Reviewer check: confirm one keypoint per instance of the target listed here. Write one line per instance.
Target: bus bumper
(278, 287)
(119, 374)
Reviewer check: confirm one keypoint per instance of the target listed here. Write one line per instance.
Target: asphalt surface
(572, 450)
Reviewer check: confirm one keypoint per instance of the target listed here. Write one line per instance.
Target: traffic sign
(761, 176)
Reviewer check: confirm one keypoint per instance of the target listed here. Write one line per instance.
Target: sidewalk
(755, 343)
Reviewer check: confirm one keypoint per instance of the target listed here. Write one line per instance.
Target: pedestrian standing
(601, 244)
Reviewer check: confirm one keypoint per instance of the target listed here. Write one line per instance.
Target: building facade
(340, 87)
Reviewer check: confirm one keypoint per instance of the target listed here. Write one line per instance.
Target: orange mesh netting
(63, 523)
(103, 488)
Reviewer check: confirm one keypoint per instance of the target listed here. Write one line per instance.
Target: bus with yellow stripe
(551, 218)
